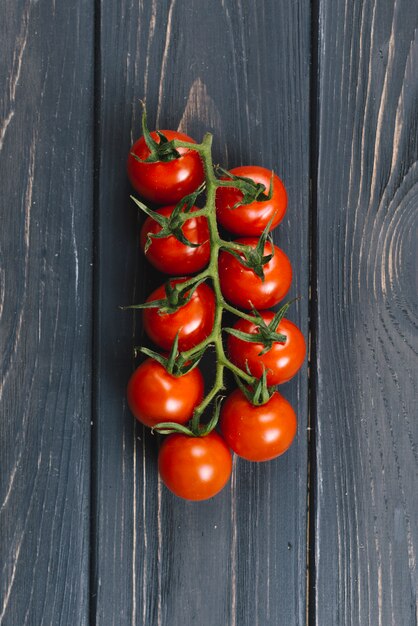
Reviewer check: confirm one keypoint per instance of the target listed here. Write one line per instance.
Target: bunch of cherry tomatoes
(183, 317)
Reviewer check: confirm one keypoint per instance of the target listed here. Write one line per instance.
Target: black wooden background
(326, 93)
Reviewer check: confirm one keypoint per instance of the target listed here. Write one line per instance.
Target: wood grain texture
(240, 71)
(45, 311)
(366, 256)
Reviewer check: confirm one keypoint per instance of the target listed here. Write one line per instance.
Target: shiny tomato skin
(281, 362)
(171, 256)
(165, 182)
(251, 219)
(155, 396)
(195, 468)
(194, 319)
(243, 288)
(258, 433)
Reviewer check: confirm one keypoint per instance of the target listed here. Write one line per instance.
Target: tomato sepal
(266, 333)
(175, 300)
(251, 191)
(178, 297)
(175, 363)
(266, 339)
(254, 258)
(257, 394)
(163, 150)
(171, 225)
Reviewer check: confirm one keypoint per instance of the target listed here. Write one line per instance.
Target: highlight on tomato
(258, 433)
(156, 396)
(281, 362)
(241, 285)
(171, 256)
(240, 214)
(164, 181)
(195, 468)
(193, 321)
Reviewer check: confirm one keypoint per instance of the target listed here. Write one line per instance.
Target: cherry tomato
(281, 362)
(156, 396)
(171, 256)
(251, 219)
(243, 288)
(258, 433)
(195, 468)
(194, 320)
(165, 182)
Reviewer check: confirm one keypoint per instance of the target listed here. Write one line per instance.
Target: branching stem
(216, 244)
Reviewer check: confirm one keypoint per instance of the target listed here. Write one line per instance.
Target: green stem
(183, 217)
(238, 313)
(191, 281)
(216, 243)
(230, 183)
(239, 372)
(217, 387)
(234, 245)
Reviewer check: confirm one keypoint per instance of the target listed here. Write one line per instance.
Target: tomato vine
(264, 337)
(212, 183)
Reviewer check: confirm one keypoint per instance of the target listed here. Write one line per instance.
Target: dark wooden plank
(367, 437)
(45, 310)
(241, 71)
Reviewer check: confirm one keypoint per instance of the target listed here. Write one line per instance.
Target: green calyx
(175, 363)
(162, 150)
(259, 393)
(251, 191)
(254, 258)
(177, 295)
(266, 334)
(173, 224)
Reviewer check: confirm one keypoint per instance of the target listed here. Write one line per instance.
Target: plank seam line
(92, 584)
(313, 308)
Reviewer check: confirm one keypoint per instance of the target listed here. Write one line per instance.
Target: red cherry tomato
(251, 219)
(243, 288)
(195, 468)
(165, 182)
(258, 433)
(281, 362)
(171, 256)
(194, 320)
(156, 396)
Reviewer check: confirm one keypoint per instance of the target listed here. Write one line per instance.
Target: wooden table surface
(324, 92)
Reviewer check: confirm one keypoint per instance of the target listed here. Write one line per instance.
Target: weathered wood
(366, 372)
(241, 71)
(45, 309)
